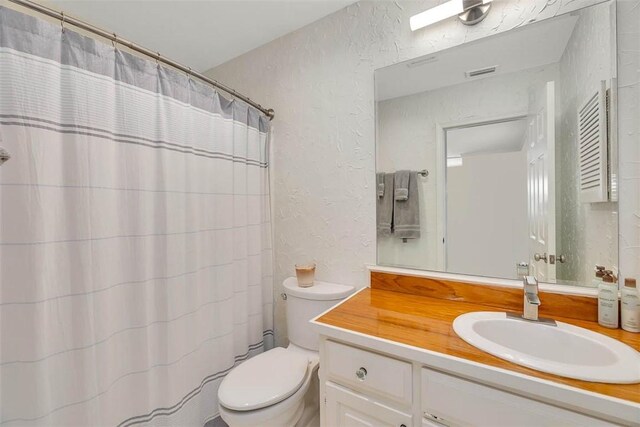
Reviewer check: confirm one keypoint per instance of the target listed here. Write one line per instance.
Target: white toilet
(279, 388)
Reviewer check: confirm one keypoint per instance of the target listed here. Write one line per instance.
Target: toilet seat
(263, 380)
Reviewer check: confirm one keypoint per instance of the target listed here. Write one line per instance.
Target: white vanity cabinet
(361, 387)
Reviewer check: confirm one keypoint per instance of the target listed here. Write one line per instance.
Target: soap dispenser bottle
(608, 301)
(630, 306)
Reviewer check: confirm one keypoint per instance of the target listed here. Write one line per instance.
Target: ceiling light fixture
(470, 12)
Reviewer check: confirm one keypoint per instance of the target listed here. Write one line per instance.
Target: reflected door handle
(539, 257)
(561, 258)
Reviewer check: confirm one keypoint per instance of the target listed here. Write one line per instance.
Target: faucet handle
(531, 290)
(530, 281)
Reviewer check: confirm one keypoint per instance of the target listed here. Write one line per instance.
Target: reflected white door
(541, 182)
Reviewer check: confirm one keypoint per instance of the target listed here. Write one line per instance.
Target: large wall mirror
(498, 157)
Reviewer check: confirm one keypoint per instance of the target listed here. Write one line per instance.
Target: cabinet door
(345, 408)
(432, 423)
(460, 402)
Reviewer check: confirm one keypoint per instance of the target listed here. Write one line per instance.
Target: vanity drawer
(455, 401)
(370, 372)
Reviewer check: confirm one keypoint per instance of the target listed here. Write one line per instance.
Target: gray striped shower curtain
(135, 242)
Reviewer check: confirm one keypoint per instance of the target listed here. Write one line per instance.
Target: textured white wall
(319, 80)
(407, 140)
(588, 232)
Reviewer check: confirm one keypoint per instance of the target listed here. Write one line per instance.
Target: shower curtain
(135, 249)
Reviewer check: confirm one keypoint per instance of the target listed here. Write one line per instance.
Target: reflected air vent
(593, 148)
(421, 61)
(481, 71)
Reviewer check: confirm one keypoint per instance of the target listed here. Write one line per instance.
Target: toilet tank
(303, 304)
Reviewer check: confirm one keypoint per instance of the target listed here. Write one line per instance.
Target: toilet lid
(263, 380)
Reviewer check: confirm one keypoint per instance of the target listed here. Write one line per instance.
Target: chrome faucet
(531, 299)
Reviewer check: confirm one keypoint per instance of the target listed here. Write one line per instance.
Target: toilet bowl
(279, 388)
(272, 389)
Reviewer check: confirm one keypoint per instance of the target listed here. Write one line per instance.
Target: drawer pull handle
(361, 374)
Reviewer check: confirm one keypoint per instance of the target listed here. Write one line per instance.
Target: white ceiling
(200, 34)
(502, 137)
(533, 45)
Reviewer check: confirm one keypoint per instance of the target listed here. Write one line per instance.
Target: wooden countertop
(426, 322)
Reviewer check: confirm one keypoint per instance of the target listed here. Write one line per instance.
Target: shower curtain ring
(114, 41)
(62, 21)
(158, 58)
(189, 73)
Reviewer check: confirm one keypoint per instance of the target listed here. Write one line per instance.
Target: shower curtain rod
(64, 19)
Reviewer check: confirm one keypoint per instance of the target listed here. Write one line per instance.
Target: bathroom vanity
(389, 357)
(514, 172)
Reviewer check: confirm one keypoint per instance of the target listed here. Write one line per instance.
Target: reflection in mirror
(517, 133)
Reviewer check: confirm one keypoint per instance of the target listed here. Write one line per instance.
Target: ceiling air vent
(421, 61)
(481, 71)
(593, 148)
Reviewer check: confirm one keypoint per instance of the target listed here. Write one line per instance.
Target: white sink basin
(564, 349)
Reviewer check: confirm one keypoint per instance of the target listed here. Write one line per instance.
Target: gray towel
(402, 185)
(406, 213)
(380, 184)
(384, 208)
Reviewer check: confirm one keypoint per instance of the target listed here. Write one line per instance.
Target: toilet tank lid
(320, 291)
